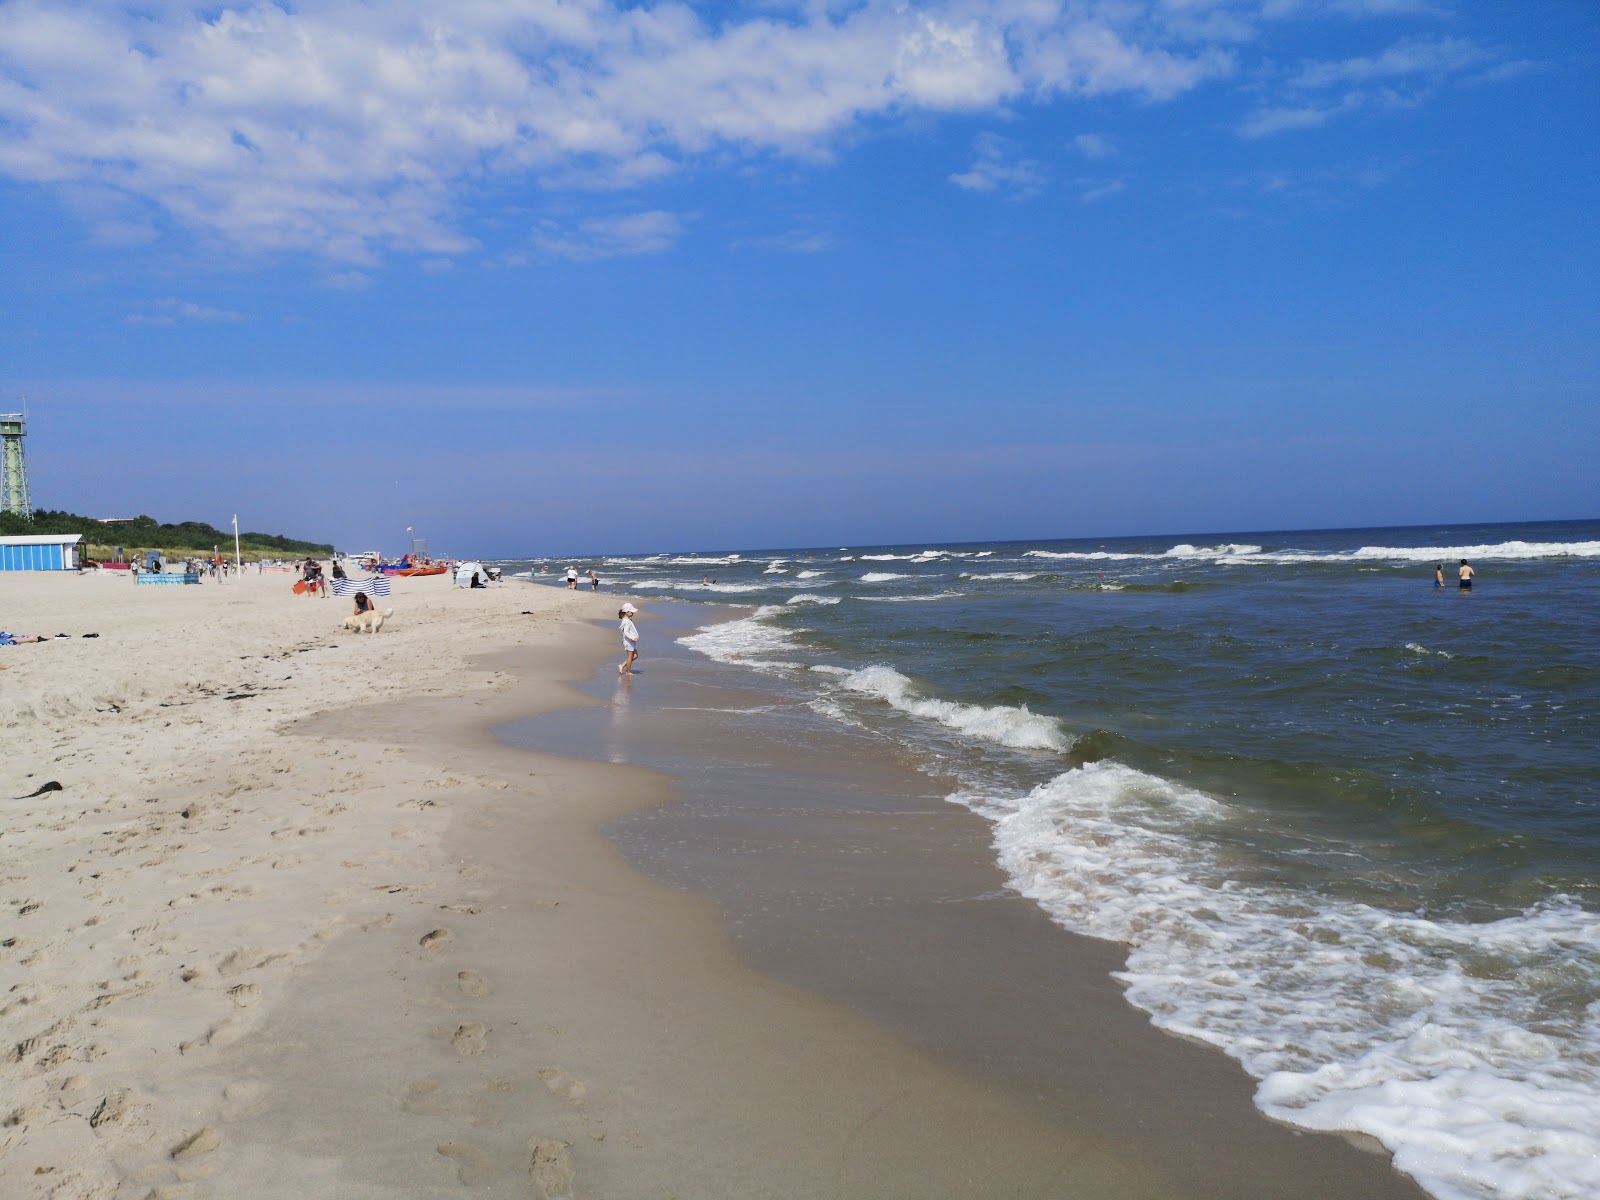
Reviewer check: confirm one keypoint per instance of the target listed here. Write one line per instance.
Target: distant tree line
(146, 533)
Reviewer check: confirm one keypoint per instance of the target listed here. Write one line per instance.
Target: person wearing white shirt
(630, 639)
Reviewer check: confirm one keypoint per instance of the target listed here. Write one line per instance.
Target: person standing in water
(1466, 573)
(630, 639)
(1438, 576)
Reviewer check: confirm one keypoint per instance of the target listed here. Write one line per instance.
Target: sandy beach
(296, 922)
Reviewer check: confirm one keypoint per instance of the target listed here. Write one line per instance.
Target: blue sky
(541, 277)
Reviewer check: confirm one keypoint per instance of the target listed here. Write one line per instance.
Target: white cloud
(611, 237)
(1406, 58)
(1100, 189)
(1093, 145)
(172, 310)
(796, 241)
(997, 167)
(348, 281)
(348, 129)
(1401, 76)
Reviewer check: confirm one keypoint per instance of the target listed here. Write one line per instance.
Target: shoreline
(852, 877)
(363, 948)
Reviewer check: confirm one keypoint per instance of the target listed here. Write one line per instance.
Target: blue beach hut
(40, 552)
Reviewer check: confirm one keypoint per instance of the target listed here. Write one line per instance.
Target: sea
(1346, 822)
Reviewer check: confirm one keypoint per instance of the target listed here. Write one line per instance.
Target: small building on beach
(40, 552)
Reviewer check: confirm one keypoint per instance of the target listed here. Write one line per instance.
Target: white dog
(370, 621)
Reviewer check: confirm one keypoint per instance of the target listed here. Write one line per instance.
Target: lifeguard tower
(13, 475)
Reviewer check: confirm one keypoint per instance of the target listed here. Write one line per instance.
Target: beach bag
(300, 588)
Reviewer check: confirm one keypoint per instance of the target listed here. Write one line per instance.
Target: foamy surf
(1000, 724)
(1324, 677)
(1475, 1093)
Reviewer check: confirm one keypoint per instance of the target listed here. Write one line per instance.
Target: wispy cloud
(611, 237)
(1094, 190)
(348, 281)
(1403, 75)
(997, 167)
(171, 311)
(796, 241)
(1093, 145)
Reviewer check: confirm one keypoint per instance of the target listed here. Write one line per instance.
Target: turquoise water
(1348, 823)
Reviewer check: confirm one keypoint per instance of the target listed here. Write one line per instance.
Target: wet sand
(843, 872)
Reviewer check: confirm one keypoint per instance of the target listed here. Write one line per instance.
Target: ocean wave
(1017, 575)
(807, 598)
(1497, 550)
(1228, 549)
(723, 586)
(1089, 555)
(1448, 555)
(1418, 648)
(750, 641)
(912, 599)
(881, 577)
(807, 574)
(1354, 1018)
(1001, 724)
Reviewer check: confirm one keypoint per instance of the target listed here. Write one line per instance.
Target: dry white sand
(190, 858)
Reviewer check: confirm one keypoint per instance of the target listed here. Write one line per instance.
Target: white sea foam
(808, 598)
(1448, 1050)
(751, 641)
(1227, 548)
(1232, 554)
(881, 577)
(1497, 550)
(1087, 556)
(1001, 724)
(1419, 648)
(1017, 575)
(807, 574)
(700, 588)
(912, 599)
(775, 567)
(1507, 551)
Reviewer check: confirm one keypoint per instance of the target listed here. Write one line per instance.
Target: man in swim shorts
(1466, 573)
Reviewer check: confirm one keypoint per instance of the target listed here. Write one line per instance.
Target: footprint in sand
(471, 983)
(436, 940)
(245, 995)
(572, 1090)
(469, 1039)
(204, 1142)
(422, 1099)
(550, 1170)
(472, 1163)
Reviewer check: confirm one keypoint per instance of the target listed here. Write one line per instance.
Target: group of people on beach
(572, 579)
(1464, 574)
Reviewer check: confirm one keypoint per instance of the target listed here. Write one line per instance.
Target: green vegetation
(146, 533)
